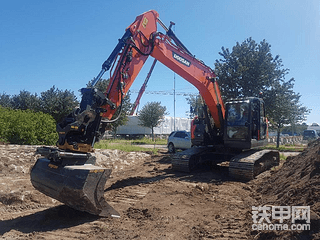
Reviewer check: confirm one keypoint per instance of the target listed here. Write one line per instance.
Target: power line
(186, 94)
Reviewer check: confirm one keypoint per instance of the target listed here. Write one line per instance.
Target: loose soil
(296, 183)
(156, 202)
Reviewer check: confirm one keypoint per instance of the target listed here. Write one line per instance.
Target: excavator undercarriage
(244, 166)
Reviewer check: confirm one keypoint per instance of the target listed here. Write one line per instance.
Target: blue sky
(64, 42)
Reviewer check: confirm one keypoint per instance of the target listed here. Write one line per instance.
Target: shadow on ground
(47, 220)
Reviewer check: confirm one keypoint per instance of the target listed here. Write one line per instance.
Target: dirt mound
(296, 183)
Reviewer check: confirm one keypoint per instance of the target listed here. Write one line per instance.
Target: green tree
(250, 69)
(283, 107)
(151, 115)
(195, 102)
(57, 103)
(101, 85)
(25, 100)
(5, 100)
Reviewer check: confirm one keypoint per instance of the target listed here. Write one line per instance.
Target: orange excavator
(223, 132)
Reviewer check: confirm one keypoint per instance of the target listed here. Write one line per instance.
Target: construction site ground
(157, 203)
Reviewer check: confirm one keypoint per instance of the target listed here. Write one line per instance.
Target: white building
(166, 127)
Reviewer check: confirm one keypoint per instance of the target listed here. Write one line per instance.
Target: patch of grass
(283, 157)
(149, 141)
(124, 146)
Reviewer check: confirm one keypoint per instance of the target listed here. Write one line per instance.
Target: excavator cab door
(245, 125)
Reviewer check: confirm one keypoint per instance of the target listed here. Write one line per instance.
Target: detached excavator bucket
(78, 186)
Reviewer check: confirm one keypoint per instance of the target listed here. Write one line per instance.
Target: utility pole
(174, 101)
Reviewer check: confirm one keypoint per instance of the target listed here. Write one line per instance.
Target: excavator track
(187, 160)
(248, 165)
(244, 166)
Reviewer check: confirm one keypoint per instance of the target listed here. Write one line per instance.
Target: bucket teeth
(78, 186)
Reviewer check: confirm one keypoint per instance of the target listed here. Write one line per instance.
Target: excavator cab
(244, 126)
(245, 123)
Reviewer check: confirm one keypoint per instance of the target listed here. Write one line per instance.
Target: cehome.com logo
(181, 59)
(285, 215)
